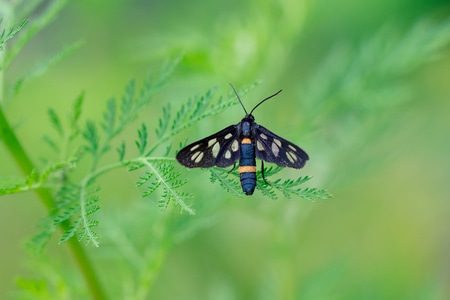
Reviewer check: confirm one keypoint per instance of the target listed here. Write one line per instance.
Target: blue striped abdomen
(247, 166)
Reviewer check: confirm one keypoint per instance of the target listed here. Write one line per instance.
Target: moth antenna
(265, 99)
(237, 95)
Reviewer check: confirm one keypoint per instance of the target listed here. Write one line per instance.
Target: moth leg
(234, 167)
(262, 172)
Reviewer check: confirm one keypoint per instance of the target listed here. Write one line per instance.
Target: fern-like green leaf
(33, 181)
(46, 15)
(230, 185)
(229, 181)
(88, 234)
(194, 110)
(13, 30)
(10, 189)
(66, 214)
(161, 174)
(67, 203)
(77, 204)
(77, 110)
(54, 119)
(266, 190)
(163, 122)
(91, 135)
(117, 117)
(37, 242)
(134, 165)
(121, 151)
(67, 131)
(109, 118)
(291, 187)
(141, 143)
(126, 104)
(70, 232)
(152, 185)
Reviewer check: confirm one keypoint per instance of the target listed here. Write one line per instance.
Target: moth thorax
(246, 128)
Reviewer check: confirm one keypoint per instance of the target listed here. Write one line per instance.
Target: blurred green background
(376, 129)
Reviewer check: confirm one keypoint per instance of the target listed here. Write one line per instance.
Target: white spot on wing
(215, 149)
(291, 156)
(275, 149)
(194, 147)
(259, 146)
(227, 154)
(212, 142)
(235, 146)
(292, 147)
(262, 135)
(229, 135)
(278, 142)
(197, 156)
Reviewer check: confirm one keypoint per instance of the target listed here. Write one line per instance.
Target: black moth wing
(220, 149)
(274, 149)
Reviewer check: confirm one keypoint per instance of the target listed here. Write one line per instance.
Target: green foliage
(79, 141)
(161, 174)
(7, 35)
(230, 185)
(41, 20)
(289, 187)
(141, 143)
(359, 81)
(34, 180)
(357, 91)
(56, 285)
(67, 131)
(195, 110)
(77, 203)
(346, 91)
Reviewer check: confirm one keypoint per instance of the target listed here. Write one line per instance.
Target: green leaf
(41, 20)
(161, 174)
(121, 151)
(69, 233)
(54, 119)
(109, 118)
(11, 189)
(77, 110)
(141, 143)
(7, 35)
(127, 106)
(229, 181)
(90, 134)
(230, 185)
(163, 122)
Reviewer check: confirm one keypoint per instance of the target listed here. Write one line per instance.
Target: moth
(244, 141)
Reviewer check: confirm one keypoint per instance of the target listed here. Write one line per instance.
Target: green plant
(71, 200)
(359, 92)
(70, 186)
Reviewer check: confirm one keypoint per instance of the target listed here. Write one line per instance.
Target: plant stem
(26, 166)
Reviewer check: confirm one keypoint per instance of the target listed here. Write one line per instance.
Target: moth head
(248, 118)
